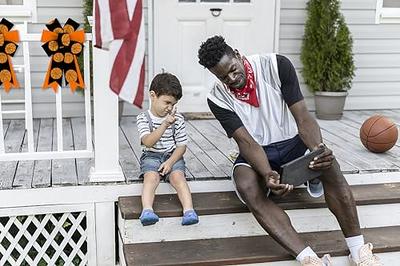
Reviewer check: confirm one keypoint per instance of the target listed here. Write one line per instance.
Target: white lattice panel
(44, 239)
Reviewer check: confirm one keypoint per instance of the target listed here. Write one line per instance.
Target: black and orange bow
(8, 46)
(63, 45)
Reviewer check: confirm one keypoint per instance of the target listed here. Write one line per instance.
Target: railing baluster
(28, 93)
(59, 120)
(88, 114)
(1, 129)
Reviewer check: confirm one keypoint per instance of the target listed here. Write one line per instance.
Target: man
(259, 103)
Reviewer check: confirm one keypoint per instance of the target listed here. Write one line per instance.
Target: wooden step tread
(255, 249)
(227, 202)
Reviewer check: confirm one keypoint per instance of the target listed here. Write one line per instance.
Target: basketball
(378, 134)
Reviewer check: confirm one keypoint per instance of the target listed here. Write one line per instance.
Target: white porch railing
(106, 152)
(60, 153)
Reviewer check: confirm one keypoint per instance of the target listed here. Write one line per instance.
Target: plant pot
(329, 105)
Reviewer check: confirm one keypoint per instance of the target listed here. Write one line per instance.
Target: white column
(105, 233)
(106, 142)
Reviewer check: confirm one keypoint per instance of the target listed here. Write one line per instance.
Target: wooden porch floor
(207, 156)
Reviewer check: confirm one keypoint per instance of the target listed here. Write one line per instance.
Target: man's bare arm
(310, 134)
(256, 157)
(309, 130)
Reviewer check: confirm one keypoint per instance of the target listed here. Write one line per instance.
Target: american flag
(119, 27)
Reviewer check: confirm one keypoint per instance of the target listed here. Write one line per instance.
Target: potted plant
(327, 58)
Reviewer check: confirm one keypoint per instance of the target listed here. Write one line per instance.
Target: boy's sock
(307, 252)
(354, 244)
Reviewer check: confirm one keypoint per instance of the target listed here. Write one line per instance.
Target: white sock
(187, 210)
(307, 252)
(354, 244)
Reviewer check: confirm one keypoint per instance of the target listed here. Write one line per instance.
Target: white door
(180, 26)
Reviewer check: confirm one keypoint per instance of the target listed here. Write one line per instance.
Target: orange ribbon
(8, 47)
(63, 45)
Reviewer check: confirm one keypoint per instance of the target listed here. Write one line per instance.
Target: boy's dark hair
(212, 50)
(166, 84)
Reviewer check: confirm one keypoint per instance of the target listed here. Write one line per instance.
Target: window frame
(19, 13)
(386, 14)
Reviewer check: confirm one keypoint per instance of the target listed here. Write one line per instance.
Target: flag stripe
(140, 91)
(120, 18)
(104, 19)
(132, 79)
(98, 18)
(126, 53)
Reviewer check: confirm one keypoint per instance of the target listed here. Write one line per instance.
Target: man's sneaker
(315, 261)
(315, 188)
(148, 217)
(366, 257)
(190, 217)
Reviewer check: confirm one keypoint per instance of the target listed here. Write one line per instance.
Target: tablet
(297, 171)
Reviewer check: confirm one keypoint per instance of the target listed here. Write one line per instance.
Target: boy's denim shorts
(150, 162)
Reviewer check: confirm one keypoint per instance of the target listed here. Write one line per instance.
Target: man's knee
(333, 174)
(251, 193)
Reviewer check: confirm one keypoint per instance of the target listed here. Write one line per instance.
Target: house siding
(376, 49)
(376, 53)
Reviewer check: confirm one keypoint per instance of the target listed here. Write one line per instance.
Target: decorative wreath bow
(63, 45)
(8, 47)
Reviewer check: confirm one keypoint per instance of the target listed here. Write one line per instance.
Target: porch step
(227, 202)
(229, 234)
(244, 224)
(254, 249)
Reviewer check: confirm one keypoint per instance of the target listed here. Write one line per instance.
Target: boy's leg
(150, 184)
(178, 181)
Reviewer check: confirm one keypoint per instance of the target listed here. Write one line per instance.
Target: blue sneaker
(148, 217)
(190, 217)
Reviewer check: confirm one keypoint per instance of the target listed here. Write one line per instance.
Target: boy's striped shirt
(166, 142)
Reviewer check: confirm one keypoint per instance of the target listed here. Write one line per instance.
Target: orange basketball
(378, 133)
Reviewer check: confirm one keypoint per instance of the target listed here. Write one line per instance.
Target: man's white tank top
(272, 121)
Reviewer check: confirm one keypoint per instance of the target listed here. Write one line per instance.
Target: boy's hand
(170, 119)
(165, 168)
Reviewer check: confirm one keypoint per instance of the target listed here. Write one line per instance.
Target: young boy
(163, 137)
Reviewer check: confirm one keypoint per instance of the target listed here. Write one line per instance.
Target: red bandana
(248, 93)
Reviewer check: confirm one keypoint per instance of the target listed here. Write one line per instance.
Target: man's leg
(270, 216)
(340, 201)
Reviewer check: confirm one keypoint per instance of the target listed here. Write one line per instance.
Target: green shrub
(326, 51)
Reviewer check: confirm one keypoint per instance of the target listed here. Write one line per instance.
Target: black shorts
(279, 153)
